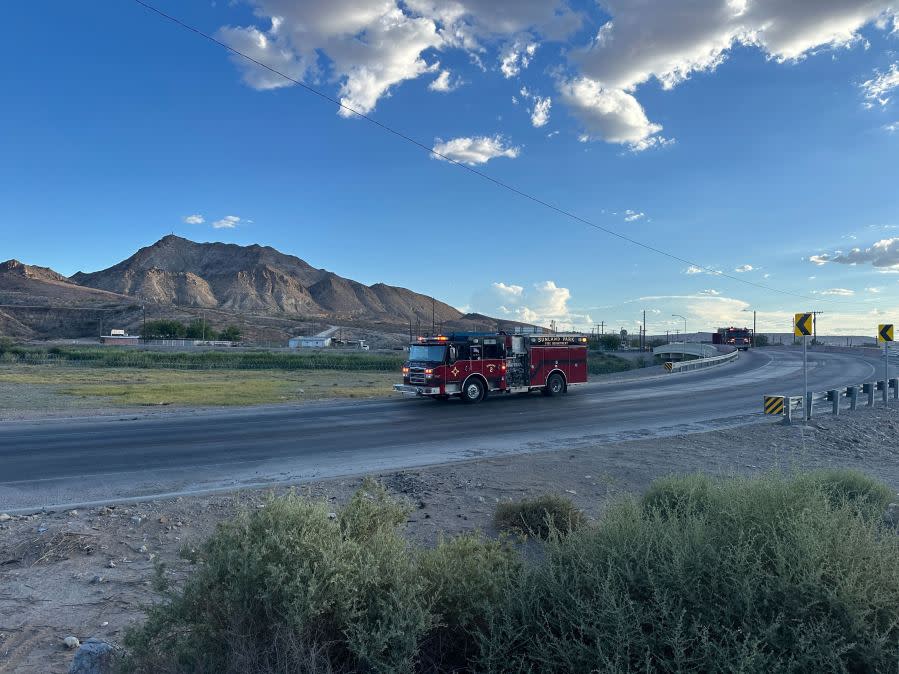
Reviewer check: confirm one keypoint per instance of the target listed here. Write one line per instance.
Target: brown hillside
(256, 279)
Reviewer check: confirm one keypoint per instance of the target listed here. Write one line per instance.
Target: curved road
(67, 462)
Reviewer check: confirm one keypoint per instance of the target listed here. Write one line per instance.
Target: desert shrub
(538, 516)
(464, 577)
(851, 486)
(700, 493)
(604, 363)
(287, 588)
(772, 574)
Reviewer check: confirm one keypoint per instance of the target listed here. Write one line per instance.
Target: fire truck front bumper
(408, 390)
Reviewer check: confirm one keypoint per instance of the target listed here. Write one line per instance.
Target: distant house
(120, 337)
(309, 342)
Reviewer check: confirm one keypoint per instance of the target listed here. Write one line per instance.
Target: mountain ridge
(258, 279)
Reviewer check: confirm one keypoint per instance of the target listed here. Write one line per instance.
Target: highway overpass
(676, 351)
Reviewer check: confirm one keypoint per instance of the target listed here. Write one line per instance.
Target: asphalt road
(67, 462)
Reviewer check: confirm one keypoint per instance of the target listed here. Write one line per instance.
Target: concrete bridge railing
(701, 363)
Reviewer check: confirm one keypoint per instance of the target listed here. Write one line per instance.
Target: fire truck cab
(472, 365)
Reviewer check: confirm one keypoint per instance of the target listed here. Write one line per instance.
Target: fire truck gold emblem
(491, 367)
(455, 371)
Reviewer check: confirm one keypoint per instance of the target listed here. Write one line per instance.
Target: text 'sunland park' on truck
(471, 365)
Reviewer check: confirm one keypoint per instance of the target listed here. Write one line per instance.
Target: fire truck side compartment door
(555, 358)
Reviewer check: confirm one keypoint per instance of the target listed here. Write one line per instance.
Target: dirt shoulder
(89, 573)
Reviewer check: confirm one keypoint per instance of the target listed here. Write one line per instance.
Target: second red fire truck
(472, 365)
(738, 337)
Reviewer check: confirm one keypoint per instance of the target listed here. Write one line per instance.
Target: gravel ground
(88, 573)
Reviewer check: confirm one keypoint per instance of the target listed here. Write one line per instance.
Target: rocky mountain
(37, 302)
(22, 284)
(256, 279)
(268, 294)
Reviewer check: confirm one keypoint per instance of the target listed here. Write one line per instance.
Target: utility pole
(684, 356)
(815, 326)
(643, 341)
(753, 328)
(143, 329)
(433, 326)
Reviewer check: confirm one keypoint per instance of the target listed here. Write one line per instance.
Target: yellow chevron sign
(668, 366)
(802, 325)
(885, 332)
(774, 404)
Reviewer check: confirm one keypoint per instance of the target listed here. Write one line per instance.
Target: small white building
(309, 342)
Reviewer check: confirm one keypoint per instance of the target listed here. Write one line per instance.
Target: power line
(472, 170)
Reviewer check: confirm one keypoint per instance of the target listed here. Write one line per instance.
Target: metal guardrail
(867, 391)
(700, 363)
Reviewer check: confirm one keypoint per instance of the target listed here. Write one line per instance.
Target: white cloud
(711, 292)
(195, 219)
(539, 304)
(475, 150)
(229, 222)
(268, 48)
(743, 268)
(693, 269)
(892, 127)
(516, 55)
(444, 83)
(669, 41)
(838, 292)
(540, 111)
(878, 89)
(703, 310)
(370, 47)
(882, 254)
(874, 291)
(612, 115)
(631, 216)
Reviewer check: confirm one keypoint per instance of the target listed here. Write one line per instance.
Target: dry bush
(538, 516)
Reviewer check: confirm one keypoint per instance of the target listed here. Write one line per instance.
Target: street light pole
(684, 356)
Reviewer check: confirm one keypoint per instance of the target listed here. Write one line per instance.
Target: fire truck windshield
(427, 353)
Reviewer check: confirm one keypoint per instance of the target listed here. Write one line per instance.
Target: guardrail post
(852, 392)
(809, 403)
(885, 391)
(788, 410)
(834, 396)
(894, 384)
(869, 389)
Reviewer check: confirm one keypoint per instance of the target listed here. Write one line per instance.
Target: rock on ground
(95, 656)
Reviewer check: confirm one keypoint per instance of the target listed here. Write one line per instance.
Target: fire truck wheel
(473, 391)
(555, 385)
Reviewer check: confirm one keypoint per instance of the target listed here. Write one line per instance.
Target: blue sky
(734, 133)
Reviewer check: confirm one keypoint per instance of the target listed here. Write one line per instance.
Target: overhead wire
(481, 174)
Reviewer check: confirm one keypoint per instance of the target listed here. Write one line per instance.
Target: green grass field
(85, 377)
(129, 387)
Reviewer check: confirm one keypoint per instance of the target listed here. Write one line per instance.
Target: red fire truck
(738, 337)
(471, 365)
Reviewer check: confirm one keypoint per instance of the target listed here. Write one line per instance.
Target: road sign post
(885, 335)
(802, 327)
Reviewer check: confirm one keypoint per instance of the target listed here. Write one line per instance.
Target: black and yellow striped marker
(668, 366)
(774, 404)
